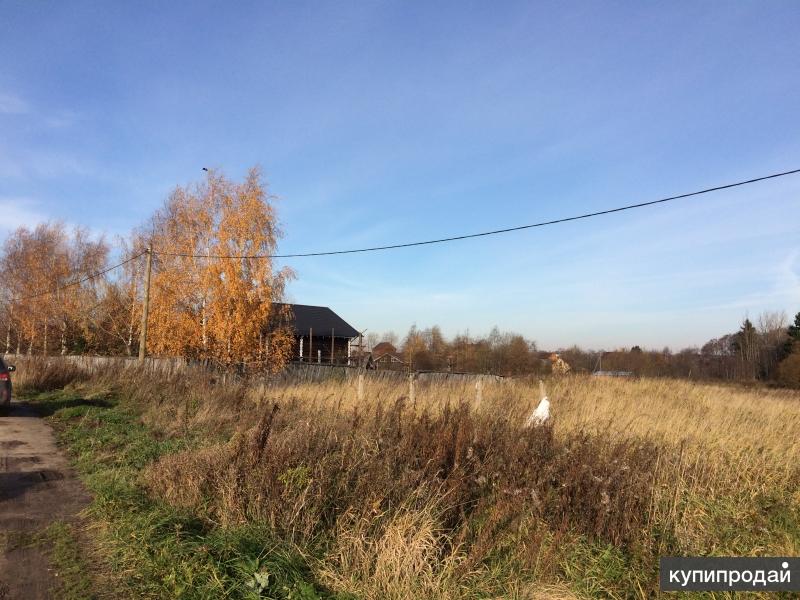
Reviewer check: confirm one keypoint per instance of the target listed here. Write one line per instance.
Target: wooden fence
(293, 372)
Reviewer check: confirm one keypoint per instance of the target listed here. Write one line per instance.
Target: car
(5, 382)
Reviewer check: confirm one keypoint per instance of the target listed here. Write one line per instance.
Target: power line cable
(82, 279)
(421, 243)
(487, 233)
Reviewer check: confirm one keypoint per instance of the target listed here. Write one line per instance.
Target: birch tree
(217, 308)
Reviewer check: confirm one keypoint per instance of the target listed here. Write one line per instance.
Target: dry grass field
(441, 496)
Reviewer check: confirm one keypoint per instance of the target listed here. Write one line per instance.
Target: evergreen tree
(746, 343)
(793, 341)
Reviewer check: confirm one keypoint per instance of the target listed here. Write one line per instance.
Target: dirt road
(37, 488)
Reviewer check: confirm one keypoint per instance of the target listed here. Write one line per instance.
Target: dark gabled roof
(321, 319)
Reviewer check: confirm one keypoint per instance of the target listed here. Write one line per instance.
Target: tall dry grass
(38, 374)
(446, 496)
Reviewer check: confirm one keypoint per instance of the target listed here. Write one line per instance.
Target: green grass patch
(150, 549)
(68, 563)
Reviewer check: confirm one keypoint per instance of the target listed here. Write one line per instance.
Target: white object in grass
(541, 414)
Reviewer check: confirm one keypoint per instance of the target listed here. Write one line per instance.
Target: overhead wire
(486, 233)
(412, 244)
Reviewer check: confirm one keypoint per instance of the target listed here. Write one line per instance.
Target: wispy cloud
(12, 105)
(20, 159)
(788, 275)
(61, 119)
(784, 288)
(56, 118)
(16, 212)
(19, 212)
(41, 164)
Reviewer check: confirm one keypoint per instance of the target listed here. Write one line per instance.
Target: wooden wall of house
(322, 343)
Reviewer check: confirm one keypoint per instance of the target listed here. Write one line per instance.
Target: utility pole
(208, 258)
(146, 307)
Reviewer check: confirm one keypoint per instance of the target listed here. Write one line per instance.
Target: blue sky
(386, 122)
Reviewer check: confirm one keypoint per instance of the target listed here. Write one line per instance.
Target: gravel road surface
(37, 488)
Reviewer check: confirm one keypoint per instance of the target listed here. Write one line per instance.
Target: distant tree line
(767, 350)
(763, 351)
(501, 353)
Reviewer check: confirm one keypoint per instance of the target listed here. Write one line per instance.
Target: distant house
(385, 356)
(383, 348)
(321, 336)
(612, 373)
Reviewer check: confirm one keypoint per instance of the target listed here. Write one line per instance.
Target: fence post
(478, 392)
(412, 396)
(360, 386)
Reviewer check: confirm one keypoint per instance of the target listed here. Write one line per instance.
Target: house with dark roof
(321, 336)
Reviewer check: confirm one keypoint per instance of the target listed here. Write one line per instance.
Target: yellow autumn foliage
(207, 307)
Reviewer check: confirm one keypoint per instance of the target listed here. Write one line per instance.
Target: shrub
(301, 470)
(789, 370)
